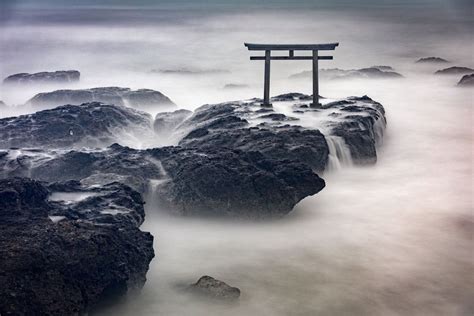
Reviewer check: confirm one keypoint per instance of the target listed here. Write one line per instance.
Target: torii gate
(315, 48)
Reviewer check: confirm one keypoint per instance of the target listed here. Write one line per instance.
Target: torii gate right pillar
(315, 80)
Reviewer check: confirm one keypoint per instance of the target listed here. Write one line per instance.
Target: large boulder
(142, 99)
(466, 81)
(62, 76)
(62, 257)
(455, 71)
(74, 126)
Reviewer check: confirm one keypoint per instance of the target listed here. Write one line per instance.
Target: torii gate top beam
(330, 46)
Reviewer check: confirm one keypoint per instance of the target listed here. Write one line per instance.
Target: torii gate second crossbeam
(315, 48)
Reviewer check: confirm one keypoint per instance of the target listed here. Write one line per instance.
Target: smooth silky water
(394, 238)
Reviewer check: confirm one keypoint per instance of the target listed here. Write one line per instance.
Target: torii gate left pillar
(315, 48)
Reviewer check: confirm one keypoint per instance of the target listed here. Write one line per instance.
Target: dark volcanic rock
(432, 60)
(91, 124)
(213, 288)
(233, 183)
(467, 81)
(44, 77)
(292, 97)
(374, 72)
(144, 99)
(64, 265)
(454, 71)
(278, 117)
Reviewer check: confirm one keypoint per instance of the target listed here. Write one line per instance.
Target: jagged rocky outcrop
(374, 72)
(63, 257)
(466, 81)
(193, 181)
(143, 99)
(455, 71)
(432, 60)
(224, 152)
(215, 289)
(62, 76)
(74, 126)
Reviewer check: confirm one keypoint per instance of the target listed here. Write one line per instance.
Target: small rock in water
(215, 288)
(467, 80)
(454, 71)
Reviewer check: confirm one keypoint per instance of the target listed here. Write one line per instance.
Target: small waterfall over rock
(339, 153)
(379, 130)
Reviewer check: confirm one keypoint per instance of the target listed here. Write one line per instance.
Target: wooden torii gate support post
(315, 48)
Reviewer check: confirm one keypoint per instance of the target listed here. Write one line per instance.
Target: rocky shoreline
(83, 197)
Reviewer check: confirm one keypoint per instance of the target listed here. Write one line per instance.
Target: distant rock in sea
(65, 248)
(187, 71)
(2, 104)
(62, 76)
(142, 99)
(467, 81)
(374, 72)
(235, 86)
(455, 71)
(74, 126)
(215, 289)
(432, 60)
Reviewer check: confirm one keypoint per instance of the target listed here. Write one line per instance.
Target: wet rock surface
(467, 81)
(63, 257)
(374, 72)
(62, 76)
(142, 99)
(90, 124)
(454, 71)
(215, 289)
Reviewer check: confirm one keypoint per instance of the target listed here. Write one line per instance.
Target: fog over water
(395, 238)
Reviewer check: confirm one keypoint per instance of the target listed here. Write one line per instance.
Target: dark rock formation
(224, 153)
(216, 289)
(144, 99)
(466, 81)
(374, 72)
(432, 60)
(91, 124)
(44, 77)
(57, 258)
(292, 96)
(455, 71)
(235, 86)
(232, 183)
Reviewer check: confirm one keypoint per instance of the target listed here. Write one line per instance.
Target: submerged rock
(143, 99)
(60, 258)
(454, 71)
(432, 60)
(235, 86)
(467, 81)
(374, 72)
(62, 76)
(214, 288)
(74, 126)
